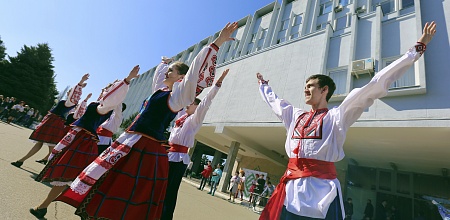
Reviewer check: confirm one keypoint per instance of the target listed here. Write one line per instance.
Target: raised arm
(200, 112)
(361, 98)
(201, 72)
(159, 75)
(116, 93)
(282, 108)
(81, 108)
(75, 93)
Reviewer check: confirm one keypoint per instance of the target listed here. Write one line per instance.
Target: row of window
(339, 76)
(387, 6)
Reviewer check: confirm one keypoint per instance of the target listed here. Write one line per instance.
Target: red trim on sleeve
(125, 80)
(215, 47)
(112, 91)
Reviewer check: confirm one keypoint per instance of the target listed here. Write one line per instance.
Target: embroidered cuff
(420, 47)
(219, 84)
(264, 82)
(215, 47)
(126, 82)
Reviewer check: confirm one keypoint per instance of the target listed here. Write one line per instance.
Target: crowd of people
(137, 177)
(17, 112)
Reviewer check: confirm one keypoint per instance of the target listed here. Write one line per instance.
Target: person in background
(206, 174)
(234, 182)
(216, 175)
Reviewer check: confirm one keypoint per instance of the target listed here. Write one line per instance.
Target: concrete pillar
(228, 169)
(216, 159)
(197, 159)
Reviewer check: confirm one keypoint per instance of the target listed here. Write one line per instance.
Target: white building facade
(399, 143)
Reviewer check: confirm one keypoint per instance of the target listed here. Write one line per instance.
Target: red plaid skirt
(67, 164)
(50, 130)
(134, 188)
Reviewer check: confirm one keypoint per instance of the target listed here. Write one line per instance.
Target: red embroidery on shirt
(309, 126)
(179, 122)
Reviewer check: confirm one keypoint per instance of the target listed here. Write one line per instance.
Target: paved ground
(19, 192)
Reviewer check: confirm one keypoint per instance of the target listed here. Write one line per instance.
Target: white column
(228, 169)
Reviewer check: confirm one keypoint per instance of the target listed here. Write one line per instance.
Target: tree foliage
(127, 122)
(29, 76)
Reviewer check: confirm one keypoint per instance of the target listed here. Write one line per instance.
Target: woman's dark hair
(181, 67)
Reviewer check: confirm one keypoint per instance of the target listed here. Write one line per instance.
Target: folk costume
(74, 115)
(129, 179)
(181, 139)
(78, 148)
(107, 129)
(315, 142)
(51, 129)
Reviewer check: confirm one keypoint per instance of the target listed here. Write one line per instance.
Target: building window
(345, 2)
(249, 48)
(284, 24)
(386, 6)
(342, 22)
(340, 79)
(297, 20)
(326, 8)
(407, 80)
(263, 33)
(253, 37)
(293, 36)
(321, 26)
(407, 3)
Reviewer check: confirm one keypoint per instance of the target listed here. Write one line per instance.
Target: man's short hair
(323, 81)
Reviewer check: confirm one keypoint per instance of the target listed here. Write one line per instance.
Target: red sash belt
(104, 132)
(178, 148)
(297, 168)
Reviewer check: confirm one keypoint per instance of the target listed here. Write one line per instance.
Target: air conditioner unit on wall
(364, 66)
(338, 8)
(360, 10)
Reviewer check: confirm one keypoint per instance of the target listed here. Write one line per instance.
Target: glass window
(253, 37)
(321, 26)
(293, 36)
(263, 33)
(345, 2)
(340, 79)
(326, 8)
(297, 20)
(407, 3)
(388, 6)
(408, 79)
(249, 48)
(341, 23)
(284, 24)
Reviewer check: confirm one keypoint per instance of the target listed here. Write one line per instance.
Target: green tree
(29, 76)
(2, 50)
(127, 122)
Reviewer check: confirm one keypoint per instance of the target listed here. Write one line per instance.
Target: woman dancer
(51, 129)
(136, 186)
(79, 147)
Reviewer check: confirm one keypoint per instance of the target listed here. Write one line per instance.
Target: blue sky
(107, 38)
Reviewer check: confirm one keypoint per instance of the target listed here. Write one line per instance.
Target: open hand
(225, 33)
(224, 74)
(134, 73)
(88, 96)
(261, 78)
(428, 33)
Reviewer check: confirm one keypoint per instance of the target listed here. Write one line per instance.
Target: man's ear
(324, 89)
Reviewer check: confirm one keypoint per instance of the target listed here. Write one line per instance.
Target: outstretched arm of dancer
(117, 92)
(201, 72)
(361, 98)
(204, 105)
(81, 109)
(282, 108)
(75, 93)
(159, 75)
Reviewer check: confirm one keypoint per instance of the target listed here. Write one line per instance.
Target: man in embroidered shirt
(181, 139)
(315, 139)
